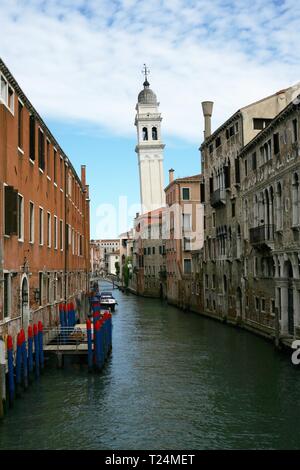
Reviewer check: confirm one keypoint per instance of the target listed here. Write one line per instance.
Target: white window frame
(21, 229)
(48, 229)
(4, 97)
(61, 234)
(55, 232)
(41, 226)
(31, 222)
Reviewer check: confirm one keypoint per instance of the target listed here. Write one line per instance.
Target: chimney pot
(207, 107)
(171, 175)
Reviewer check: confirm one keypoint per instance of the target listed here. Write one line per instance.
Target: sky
(79, 62)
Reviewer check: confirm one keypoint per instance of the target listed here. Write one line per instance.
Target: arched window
(295, 201)
(279, 208)
(145, 133)
(154, 133)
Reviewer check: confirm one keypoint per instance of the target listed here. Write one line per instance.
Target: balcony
(264, 234)
(218, 198)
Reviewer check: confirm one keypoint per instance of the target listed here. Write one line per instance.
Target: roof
(186, 179)
(147, 96)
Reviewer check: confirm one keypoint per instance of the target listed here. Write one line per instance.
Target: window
(260, 123)
(31, 222)
(11, 210)
(153, 250)
(213, 219)
(202, 192)
(187, 266)
(263, 305)
(11, 99)
(20, 125)
(187, 243)
(273, 307)
(295, 130)
(48, 156)
(61, 171)
(54, 165)
(48, 229)
(154, 133)
(41, 150)
(32, 137)
(73, 241)
(6, 295)
(55, 233)
(186, 194)
(218, 142)
(276, 143)
(295, 201)
(246, 167)
(145, 133)
(41, 226)
(20, 218)
(186, 221)
(233, 209)
(80, 245)
(61, 240)
(4, 90)
(254, 161)
(211, 148)
(237, 171)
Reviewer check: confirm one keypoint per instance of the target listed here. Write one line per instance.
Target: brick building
(184, 235)
(44, 213)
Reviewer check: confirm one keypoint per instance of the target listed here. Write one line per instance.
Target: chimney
(207, 107)
(171, 175)
(83, 180)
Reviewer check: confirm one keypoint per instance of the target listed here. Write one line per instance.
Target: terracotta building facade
(44, 221)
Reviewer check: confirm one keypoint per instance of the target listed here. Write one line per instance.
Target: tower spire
(146, 72)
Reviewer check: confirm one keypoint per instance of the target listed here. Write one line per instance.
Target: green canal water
(175, 380)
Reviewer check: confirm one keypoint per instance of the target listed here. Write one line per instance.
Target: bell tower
(149, 148)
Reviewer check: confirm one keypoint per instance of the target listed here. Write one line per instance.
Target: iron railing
(261, 234)
(218, 198)
(64, 336)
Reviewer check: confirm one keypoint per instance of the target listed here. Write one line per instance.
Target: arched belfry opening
(149, 148)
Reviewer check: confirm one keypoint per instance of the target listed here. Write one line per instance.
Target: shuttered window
(202, 192)
(41, 150)
(11, 211)
(32, 138)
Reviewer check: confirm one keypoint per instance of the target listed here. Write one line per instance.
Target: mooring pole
(19, 363)
(30, 352)
(24, 359)
(41, 346)
(90, 346)
(2, 377)
(36, 350)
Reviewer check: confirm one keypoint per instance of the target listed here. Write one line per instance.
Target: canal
(175, 380)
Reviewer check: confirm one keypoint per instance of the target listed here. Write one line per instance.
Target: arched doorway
(25, 303)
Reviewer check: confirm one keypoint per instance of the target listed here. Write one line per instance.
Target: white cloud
(81, 60)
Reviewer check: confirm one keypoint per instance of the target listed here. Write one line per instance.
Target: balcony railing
(218, 198)
(262, 234)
